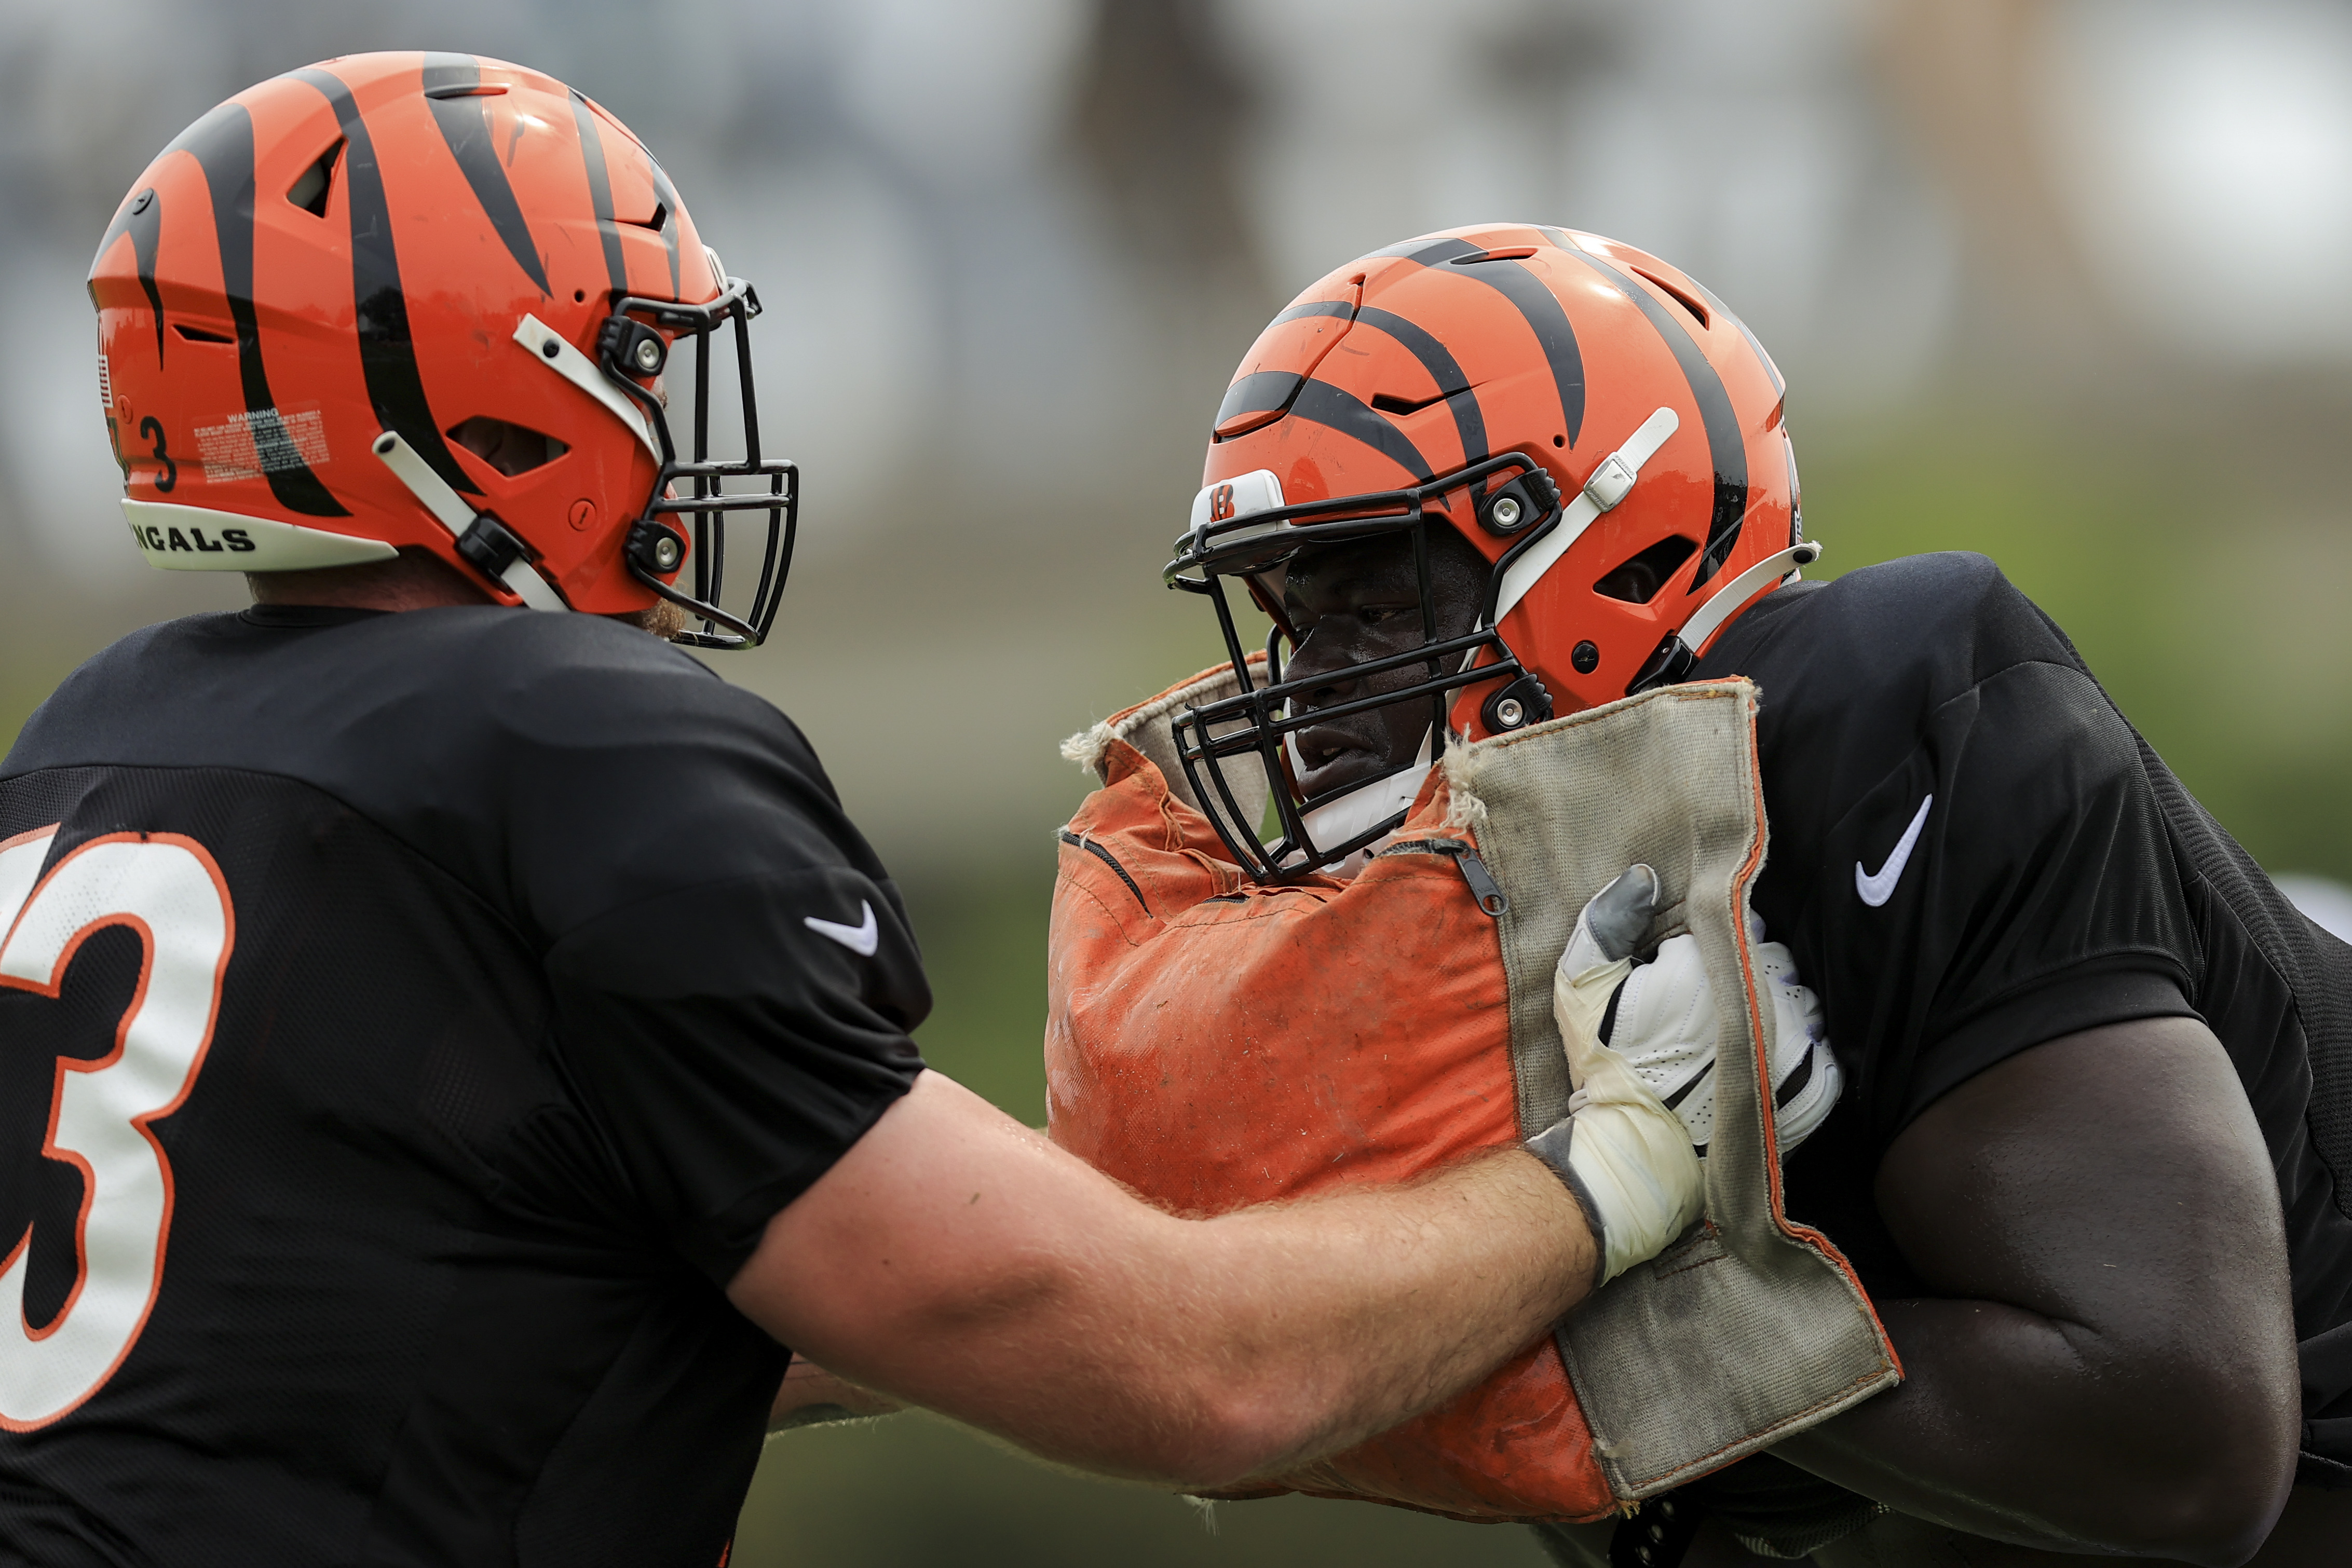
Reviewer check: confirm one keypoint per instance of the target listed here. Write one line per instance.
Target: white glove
(1619, 1150)
(1663, 1023)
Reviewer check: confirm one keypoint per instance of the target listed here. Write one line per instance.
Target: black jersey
(409, 1023)
(1974, 852)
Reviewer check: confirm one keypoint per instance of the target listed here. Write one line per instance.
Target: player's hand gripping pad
(1213, 1044)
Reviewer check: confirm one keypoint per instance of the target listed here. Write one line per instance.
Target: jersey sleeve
(1967, 851)
(2037, 900)
(733, 976)
(732, 1050)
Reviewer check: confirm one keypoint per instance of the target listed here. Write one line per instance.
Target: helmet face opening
(1255, 728)
(685, 518)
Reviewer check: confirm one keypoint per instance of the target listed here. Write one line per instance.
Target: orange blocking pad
(1214, 1044)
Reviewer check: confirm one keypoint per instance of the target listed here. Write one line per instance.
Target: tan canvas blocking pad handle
(1749, 1329)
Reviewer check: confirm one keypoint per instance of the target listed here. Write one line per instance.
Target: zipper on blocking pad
(1484, 888)
(1104, 856)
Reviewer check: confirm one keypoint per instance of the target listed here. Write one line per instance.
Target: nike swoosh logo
(859, 939)
(1878, 887)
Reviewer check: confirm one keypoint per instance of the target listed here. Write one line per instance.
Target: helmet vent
(512, 449)
(309, 191)
(661, 217)
(200, 335)
(1389, 402)
(1638, 581)
(1682, 297)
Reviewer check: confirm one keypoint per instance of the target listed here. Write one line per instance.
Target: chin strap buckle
(491, 546)
(1610, 482)
(487, 544)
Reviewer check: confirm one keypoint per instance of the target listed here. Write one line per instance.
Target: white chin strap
(1610, 482)
(450, 509)
(552, 349)
(1704, 623)
(1364, 808)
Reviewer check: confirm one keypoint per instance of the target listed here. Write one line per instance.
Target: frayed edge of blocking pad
(1463, 808)
(1086, 748)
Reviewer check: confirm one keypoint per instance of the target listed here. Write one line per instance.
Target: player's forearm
(1199, 1353)
(959, 1261)
(2010, 1425)
(1339, 1319)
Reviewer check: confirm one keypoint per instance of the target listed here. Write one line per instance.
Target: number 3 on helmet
(431, 301)
(1596, 425)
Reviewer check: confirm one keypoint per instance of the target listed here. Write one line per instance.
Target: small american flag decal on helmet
(105, 385)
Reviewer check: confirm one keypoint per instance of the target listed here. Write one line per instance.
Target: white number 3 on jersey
(167, 890)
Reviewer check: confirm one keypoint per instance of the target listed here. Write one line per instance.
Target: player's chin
(661, 619)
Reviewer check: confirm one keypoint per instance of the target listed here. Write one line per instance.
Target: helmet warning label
(248, 445)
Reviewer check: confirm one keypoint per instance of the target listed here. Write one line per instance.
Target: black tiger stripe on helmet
(387, 348)
(1727, 448)
(222, 144)
(1469, 421)
(1534, 303)
(451, 84)
(600, 193)
(141, 218)
(1320, 402)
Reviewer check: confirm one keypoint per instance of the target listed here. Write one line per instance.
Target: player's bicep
(2114, 1179)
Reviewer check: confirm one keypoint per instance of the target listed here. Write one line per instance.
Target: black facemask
(1257, 722)
(631, 352)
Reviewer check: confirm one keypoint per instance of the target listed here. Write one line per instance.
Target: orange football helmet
(1604, 433)
(328, 298)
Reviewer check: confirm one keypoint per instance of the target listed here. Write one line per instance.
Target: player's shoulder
(1912, 632)
(570, 693)
(540, 673)
(500, 653)
(478, 651)
(354, 701)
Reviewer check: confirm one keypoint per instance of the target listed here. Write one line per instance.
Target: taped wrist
(1551, 1146)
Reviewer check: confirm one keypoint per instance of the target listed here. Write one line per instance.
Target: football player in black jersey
(2091, 1153)
(454, 1041)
